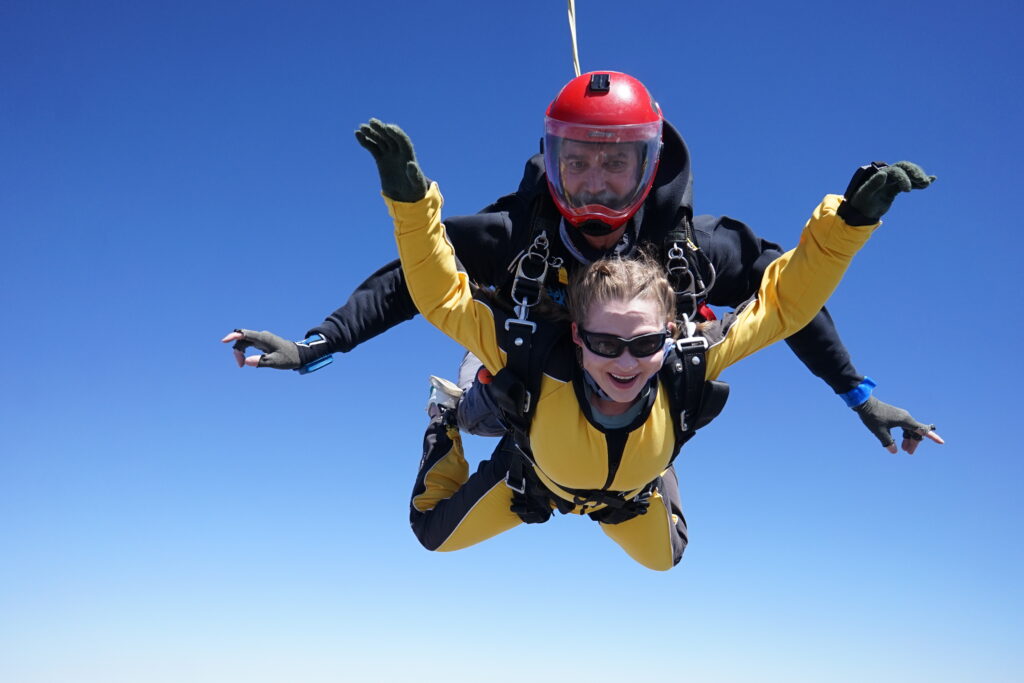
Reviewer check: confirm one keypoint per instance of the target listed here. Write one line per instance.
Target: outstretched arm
(441, 291)
(482, 244)
(806, 276)
(740, 258)
(382, 301)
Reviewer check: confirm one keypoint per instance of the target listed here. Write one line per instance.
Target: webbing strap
(684, 274)
(683, 376)
(680, 274)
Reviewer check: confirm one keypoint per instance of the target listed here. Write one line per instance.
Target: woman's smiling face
(623, 377)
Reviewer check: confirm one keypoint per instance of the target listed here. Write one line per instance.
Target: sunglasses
(610, 346)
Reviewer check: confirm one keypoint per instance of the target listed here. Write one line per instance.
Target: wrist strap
(862, 392)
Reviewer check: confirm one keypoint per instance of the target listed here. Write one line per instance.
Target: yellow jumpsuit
(569, 449)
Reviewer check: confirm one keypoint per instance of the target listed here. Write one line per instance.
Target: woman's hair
(618, 279)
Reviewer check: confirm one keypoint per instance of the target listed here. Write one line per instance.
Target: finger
(253, 361)
(239, 357)
(373, 129)
(234, 336)
(891, 447)
(918, 178)
(871, 186)
(400, 140)
(912, 434)
(382, 136)
(263, 340)
(368, 143)
(912, 441)
(884, 437)
(898, 179)
(908, 423)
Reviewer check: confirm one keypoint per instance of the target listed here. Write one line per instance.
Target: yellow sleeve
(794, 287)
(440, 291)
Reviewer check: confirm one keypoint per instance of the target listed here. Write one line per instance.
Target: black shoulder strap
(542, 219)
(516, 386)
(515, 389)
(694, 401)
(682, 259)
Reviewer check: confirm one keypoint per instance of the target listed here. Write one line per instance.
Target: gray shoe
(444, 396)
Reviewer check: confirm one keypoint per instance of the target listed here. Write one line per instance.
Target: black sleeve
(481, 243)
(740, 258)
(378, 304)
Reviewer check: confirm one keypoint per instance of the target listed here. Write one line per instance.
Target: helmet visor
(600, 172)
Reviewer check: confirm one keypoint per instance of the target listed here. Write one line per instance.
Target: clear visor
(600, 172)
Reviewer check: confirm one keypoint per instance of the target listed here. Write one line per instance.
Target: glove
(400, 176)
(881, 417)
(278, 353)
(872, 192)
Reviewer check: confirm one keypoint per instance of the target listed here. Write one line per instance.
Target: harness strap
(530, 500)
(692, 399)
(684, 273)
(638, 505)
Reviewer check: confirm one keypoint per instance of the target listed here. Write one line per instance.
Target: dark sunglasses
(610, 346)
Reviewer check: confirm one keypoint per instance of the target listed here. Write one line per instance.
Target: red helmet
(602, 141)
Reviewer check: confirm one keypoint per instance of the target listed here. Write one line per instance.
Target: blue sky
(171, 171)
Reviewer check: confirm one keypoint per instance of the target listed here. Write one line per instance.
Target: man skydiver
(615, 175)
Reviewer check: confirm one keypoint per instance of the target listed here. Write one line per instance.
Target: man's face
(594, 173)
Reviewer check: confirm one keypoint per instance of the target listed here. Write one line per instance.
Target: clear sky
(170, 171)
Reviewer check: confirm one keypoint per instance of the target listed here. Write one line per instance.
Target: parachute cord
(572, 32)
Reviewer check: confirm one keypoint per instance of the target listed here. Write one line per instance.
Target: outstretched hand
(400, 176)
(880, 418)
(278, 353)
(874, 197)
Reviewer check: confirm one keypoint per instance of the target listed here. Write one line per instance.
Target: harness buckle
(678, 267)
(528, 324)
(690, 342)
(532, 267)
(522, 484)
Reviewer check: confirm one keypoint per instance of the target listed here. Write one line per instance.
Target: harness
(693, 400)
(683, 261)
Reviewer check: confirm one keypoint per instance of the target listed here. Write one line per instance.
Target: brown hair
(618, 279)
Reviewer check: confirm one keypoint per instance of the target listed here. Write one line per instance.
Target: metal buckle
(678, 266)
(537, 253)
(689, 344)
(519, 321)
(522, 487)
(690, 340)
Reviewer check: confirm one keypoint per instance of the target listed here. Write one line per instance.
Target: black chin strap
(595, 228)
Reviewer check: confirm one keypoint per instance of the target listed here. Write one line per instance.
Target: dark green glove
(873, 196)
(400, 176)
(881, 417)
(278, 353)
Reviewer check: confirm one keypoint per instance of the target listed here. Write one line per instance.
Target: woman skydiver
(604, 428)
